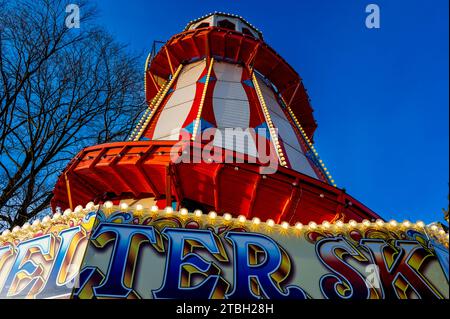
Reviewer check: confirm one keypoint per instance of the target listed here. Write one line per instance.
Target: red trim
(224, 187)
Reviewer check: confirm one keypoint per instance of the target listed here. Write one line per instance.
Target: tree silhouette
(61, 90)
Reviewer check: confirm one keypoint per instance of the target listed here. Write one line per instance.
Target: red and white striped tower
(215, 77)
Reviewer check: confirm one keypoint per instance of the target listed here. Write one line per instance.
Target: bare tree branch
(60, 90)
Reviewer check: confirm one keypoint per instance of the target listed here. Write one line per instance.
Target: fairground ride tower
(229, 128)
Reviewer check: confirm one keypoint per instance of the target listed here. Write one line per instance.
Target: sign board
(113, 253)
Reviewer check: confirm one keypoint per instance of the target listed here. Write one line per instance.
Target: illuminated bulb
(406, 223)
(256, 220)
(212, 214)
(6, 232)
(108, 204)
(227, 216)
(420, 224)
(56, 216)
(380, 222)
(169, 210)
(434, 228)
(285, 225)
(26, 226)
(139, 207)
(339, 224)
(312, 225)
(326, 224)
(123, 206)
(90, 205)
(36, 223)
(46, 219)
(241, 218)
(154, 208)
(298, 225)
(67, 212)
(183, 211)
(353, 223)
(198, 213)
(366, 223)
(78, 209)
(270, 222)
(393, 223)
(16, 229)
(442, 232)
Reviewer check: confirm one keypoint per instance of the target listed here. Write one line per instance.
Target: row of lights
(202, 100)
(352, 224)
(308, 141)
(269, 121)
(36, 225)
(146, 114)
(159, 99)
(225, 14)
(80, 212)
(140, 123)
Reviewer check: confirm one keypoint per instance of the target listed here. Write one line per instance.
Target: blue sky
(380, 95)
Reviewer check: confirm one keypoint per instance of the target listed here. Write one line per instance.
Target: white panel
(190, 73)
(170, 121)
(238, 140)
(231, 113)
(228, 72)
(179, 104)
(230, 90)
(231, 107)
(294, 153)
(298, 161)
(285, 129)
(181, 95)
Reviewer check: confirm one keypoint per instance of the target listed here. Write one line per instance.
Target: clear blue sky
(380, 96)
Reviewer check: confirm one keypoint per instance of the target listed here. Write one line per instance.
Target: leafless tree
(61, 90)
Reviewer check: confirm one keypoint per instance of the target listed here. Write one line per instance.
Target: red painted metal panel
(139, 169)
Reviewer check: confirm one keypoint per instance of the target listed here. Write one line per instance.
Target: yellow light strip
(213, 218)
(269, 121)
(145, 73)
(308, 141)
(69, 218)
(147, 113)
(202, 101)
(160, 99)
(149, 108)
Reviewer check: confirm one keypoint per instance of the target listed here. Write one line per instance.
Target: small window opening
(203, 25)
(226, 24)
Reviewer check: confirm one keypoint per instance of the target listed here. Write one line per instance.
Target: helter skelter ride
(228, 130)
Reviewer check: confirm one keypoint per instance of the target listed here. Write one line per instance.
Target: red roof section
(147, 169)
